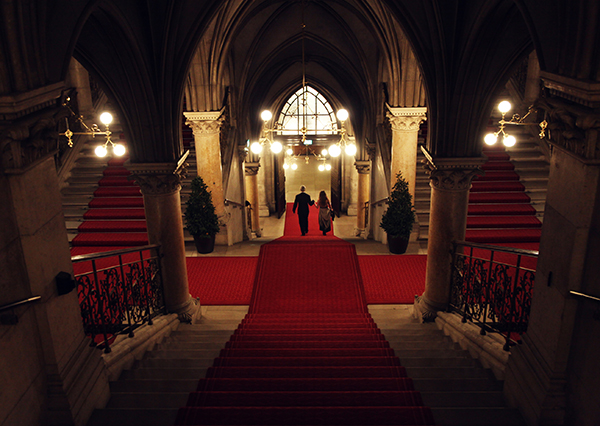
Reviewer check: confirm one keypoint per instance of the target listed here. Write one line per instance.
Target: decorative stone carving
(362, 166)
(251, 169)
(455, 175)
(158, 178)
(406, 119)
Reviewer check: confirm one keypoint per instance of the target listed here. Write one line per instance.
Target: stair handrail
(13, 305)
(494, 294)
(428, 157)
(584, 296)
(233, 203)
(118, 298)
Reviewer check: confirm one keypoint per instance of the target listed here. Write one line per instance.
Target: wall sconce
(267, 136)
(349, 147)
(105, 118)
(516, 120)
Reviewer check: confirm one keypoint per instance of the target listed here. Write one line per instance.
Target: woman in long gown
(324, 216)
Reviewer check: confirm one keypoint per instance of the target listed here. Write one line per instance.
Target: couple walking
(303, 201)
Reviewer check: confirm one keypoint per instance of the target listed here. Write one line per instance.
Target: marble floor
(272, 228)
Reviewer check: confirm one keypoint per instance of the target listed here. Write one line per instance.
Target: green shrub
(200, 217)
(399, 217)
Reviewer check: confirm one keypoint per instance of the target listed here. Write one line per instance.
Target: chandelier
(93, 131)
(516, 120)
(343, 144)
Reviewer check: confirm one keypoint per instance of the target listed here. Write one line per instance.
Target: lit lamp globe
(321, 167)
(342, 115)
(266, 115)
(327, 166)
(490, 139)
(256, 148)
(335, 150)
(119, 150)
(286, 166)
(509, 141)
(289, 151)
(101, 151)
(276, 147)
(294, 166)
(106, 118)
(351, 149)
(324, 152)
(504, 107)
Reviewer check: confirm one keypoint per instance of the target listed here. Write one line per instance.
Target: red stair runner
(308, 352)
(500, 212)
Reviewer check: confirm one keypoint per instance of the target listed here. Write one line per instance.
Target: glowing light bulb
(101, 151)
(289, 151)
(266, 115)
(342, 115)
(504, 107)
(324, 153)
(335, 150)
(286, 166)
(490, 139)
(106, 118)
(350, 149)
(119, 150)
(327, 166)
(256, 148)
(294, 166)
(276, 147)
(321, 167)
(509, 141)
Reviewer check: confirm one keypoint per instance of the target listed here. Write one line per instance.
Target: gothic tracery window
(309, 109)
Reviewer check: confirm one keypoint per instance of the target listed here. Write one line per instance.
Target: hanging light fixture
(93, 131)
(267, 136)
(516, 120)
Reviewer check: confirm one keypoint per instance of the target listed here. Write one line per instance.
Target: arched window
(309, 109)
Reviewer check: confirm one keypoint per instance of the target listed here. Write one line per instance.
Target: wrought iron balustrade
(118, 291)
(492, 286)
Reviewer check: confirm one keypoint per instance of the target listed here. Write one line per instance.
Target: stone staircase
(151, 392)
(456, 387)
(529, 161)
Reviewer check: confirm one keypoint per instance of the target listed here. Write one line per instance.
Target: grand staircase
(457, 388)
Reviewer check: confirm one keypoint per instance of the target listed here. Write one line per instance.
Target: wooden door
(336, 183)
(279, 184)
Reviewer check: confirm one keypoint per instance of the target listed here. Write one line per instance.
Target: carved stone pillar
(364, 169)
(161, 186)
(251, 176)
(405, 124)
(450, 181)
(207, 130)
(552, 376)
(54, 376)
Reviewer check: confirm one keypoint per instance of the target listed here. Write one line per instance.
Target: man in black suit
(301, 203)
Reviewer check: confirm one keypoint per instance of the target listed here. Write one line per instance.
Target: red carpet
(500, 212)
(307, 353)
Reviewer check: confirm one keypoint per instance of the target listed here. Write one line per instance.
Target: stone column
(251, 176)
(54, 376)
(450, 181)
(405, 124)
(363, 167)
(552, 377)
(161, 187)
(207, 131)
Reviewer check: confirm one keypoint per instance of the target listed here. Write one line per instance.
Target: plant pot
(204, 244)
(397, 245)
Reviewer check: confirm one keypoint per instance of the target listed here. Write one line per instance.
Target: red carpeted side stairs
(308, 352)
(500, 211)
(115, 217)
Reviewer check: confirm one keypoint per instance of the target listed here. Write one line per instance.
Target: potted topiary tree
(398, 219)
(200, 217)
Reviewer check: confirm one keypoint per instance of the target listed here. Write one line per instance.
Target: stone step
(133, 416)
(438, 372)
(450, 361)
(148, 400)
(476, 416)
(464, 384)
(457, 399)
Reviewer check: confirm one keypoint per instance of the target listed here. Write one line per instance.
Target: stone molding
(251, 169)
(363, 166)
(22, 104)
(158, 178)
(205, 122)
(406, 119)
(453, 174)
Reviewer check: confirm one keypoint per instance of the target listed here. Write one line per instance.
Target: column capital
(406, 119)
(251, 169)
(158, 178)
(453, 174)
(362, 166)
(205, 122)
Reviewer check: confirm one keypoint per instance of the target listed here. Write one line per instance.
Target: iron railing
(118, 291)
(492, 287)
